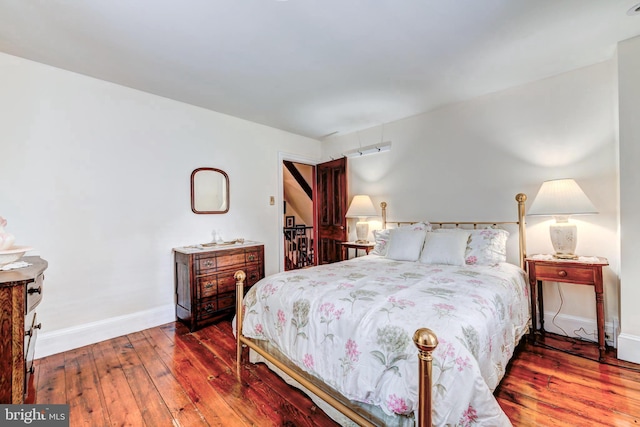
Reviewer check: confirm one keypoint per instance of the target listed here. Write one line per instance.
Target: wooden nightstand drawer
(553, 273)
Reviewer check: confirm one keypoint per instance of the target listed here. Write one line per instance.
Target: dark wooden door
(331, 206)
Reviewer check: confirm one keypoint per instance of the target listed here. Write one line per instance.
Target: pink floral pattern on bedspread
(351, 324)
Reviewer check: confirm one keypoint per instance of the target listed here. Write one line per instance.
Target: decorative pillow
(381, 237)
(445, 248)
(487, 246)
(405, 243)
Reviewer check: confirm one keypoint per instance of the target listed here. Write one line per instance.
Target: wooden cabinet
(205, 286)
(20, 293)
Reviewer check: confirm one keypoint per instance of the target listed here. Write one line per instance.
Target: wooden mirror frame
(195, 193)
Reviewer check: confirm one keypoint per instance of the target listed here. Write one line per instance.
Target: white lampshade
(561, 198)
(361, 207)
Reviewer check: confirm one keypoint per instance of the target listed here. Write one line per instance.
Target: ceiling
(316, 67)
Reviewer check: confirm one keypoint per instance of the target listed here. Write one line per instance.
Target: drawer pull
(253, 276)
(37, 290)
(252, 257)
(29, 333)
(208, 285)
(208, 308)
(208, 263)
(562, 273)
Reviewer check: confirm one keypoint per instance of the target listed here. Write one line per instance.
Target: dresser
(204, 282)
(20, 293)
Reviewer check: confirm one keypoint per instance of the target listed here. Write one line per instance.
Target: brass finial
(425, 339)
(521, 197)
(240, 276)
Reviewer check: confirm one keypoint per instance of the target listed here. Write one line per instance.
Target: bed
(345, 331)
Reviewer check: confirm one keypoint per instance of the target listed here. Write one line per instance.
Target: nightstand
(367, 247)
(587, 272)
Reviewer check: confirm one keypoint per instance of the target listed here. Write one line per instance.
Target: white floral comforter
(351, 324)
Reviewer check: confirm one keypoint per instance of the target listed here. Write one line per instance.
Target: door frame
(282, 156)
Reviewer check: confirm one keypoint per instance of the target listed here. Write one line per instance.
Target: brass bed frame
(425, 340)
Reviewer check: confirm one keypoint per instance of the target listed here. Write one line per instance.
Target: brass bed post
(426, 341)
(522, 231)
(239, 276)
(383, 206)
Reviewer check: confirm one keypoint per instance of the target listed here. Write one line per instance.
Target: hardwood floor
(166, 376)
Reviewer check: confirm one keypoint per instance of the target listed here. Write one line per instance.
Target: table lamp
(562, 198)
(361, 207)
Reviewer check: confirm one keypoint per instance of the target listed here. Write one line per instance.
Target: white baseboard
(581, 327)
(49, 343)
(629, 348)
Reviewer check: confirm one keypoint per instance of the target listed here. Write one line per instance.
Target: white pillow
(486, 246)
(381, 237)
(405, 243)
(445, 248)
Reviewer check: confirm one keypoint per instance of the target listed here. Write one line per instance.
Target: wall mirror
(209, 191)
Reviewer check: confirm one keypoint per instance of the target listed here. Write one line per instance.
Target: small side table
(367, 247)
(570, 271)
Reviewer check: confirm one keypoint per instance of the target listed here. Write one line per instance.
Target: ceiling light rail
(370, 149)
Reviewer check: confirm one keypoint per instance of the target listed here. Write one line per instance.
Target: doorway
(314, 199)
(298, 181)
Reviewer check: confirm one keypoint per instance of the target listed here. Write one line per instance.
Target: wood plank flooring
(166, 376)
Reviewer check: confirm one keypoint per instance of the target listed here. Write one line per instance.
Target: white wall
(468, 161)
(629, 88)
(95, 177)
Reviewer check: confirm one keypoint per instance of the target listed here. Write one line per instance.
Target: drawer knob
(208, 285)
(208, 263)
(37, 290)
(562, 273)
(208, 308)
(252, 257)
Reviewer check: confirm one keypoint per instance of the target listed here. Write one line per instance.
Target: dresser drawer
(555, 273)
(227, 300)
(208, 263)
(206, 309)
(233, 259)
(207, 286)
(252, 256)
(34, 293)
(254, 274)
